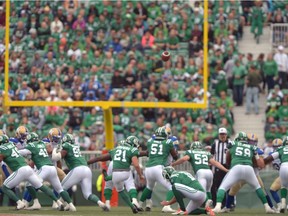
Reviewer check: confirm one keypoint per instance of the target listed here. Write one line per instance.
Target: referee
(218, 150)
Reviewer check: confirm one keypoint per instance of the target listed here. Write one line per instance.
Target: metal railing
(279, 35)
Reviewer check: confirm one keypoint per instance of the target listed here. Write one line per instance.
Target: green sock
(32, 192)
(107, 194)
(220, 195)
(146, 193)
(64, 194)
(198, 211)
(48, 192)
(108, 178)
(261, 195)
(133, 193)
(179, 197)
(209, 195)
(93, 198)
(10, 193)
(283, 193)
(169, 195)
(126, 198)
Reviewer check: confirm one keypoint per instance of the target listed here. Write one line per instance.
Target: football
(165, 56)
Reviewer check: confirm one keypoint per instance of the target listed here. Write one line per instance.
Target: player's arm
(57, 155)
(172, 201)
(174, 153)
(259, 161)
(24, 152)
(181, 160)
(271, 157)
(49, 149)
(104, 157)
(1, 157)
(143, 154)
(228, 159)
(135, 163)
(217, 164)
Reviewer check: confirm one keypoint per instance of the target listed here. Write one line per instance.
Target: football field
(92, 211)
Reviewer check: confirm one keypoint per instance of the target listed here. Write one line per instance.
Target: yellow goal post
(108, 105)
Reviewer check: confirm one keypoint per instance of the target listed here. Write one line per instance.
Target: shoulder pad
(260, 151)
(14, 140)
(46, 140)
(174, 138)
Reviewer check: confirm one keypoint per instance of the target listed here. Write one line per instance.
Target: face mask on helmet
(21, 133)
(196, 145)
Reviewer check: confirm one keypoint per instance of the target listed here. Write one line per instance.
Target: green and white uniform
(21, 171)
(199, 160)
(37, 152)
(159, 151)
(122, 159)
(282, 154)
(190, 188)
(79, 171)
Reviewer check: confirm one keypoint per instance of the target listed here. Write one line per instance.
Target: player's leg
(251, 179)
(50, 175)
(118, 179)
(86, 185)
(232, 193)
(205, 178)
(274, 188)
(283, 173)
(233, 176)
(147, 192)
(108, 186)
(130, 187)
(264, 190)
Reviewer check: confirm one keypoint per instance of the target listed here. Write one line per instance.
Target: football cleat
(134, 209)
(209, 211)
(217, 210)
(55, 205)
(135, 203)
(20, 205)
(209, 203)
(36, 205)
(179, 212)
(225, 210)
(102, 205)
(72, 207)
(168, 209)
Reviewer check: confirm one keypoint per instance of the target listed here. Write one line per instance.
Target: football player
(20, 139)
(252, 140)
(159, 150)
(282, 154)
(129, 183)
(21, 172)
(276, 185)
(242, 154)
(200, 159)
(184, 185)
(79, 171)
(36, 151)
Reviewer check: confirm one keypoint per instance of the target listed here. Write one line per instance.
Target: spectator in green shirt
(270, 70)
(239, 72)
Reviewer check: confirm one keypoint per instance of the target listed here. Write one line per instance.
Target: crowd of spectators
(75, 50)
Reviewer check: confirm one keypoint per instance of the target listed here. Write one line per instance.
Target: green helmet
(196, 145)
(68, 138)
(4, 139)
(32, 137)
(167, 172)
(121, 143)
(285, 141)
(241, 137)
(132, 141)
(161, 133)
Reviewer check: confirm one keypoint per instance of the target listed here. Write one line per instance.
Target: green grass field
(92, 211)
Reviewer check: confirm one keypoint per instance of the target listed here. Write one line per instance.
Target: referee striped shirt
(218, 150)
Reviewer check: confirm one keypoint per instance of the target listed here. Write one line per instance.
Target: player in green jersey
(200, 160)
(282, 154)
(123, 156)
(241, 154)
(21, 172)
(36, 151)
(159, 149)
(184, 185)
(79, 171)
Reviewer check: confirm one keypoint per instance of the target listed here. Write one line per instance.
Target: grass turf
(92, 211)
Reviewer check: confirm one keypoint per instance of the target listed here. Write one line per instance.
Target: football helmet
(132, 141)
(121, 143)
(2, 132)
(68, 138)
(55, 135)
(252, 139)
(196, 145)
(277, 143)
(4, 139)
(241, 137)
(21, 133)
(285, 140)
(162, 133)
(32, 137)
(167, 172)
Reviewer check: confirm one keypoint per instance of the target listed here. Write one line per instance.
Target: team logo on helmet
(252, 139)
(55, 135)
(167, 172)
(132, 141)
(121, 143)
(32, 137)
(21, 133)
(68, 138)
(196, 145)
(241, 137)
(162, 133)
